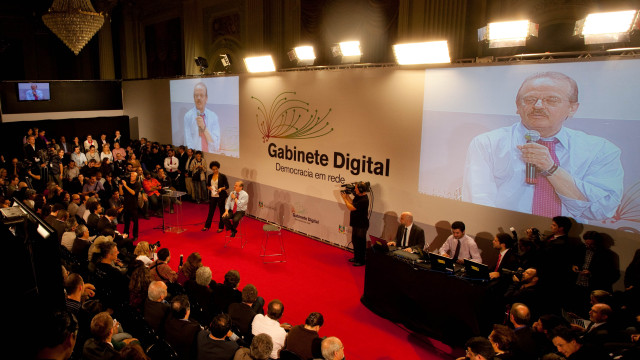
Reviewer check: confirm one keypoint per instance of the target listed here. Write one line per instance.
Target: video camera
(364, 186)
(518, 273)
(155, 246)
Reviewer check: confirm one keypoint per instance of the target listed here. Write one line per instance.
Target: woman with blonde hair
(143, 253)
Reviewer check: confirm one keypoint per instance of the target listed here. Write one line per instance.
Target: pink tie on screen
(545, 200)
(203, 139)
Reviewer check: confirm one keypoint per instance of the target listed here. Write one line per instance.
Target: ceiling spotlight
(260, 64)
(609, 27)
(202, 64)
(302, 55)
(507, 33)
(433, 52)
(349, 50)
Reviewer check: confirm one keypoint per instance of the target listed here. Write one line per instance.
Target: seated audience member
(227, 293)
(160, 269)
(600, 330)
(568, 343)
(301, 338)
(156, 308)
(260, 349)
(242, 314)
(57, 338)
(152, 188)
(213, 344)
(478, 348)
(82, 242)
(75, 288)
(133, 351)
(200, 293)
(100, 346)
(270, 324)
(180, 332)
(110, 281)
(525, 291)
(95, 210)
(507, 257)
(139, 286)
(543, 328)
(520, 317)
(503, 341)
(78, 157)
(460, 246)
(92, 154)
(188, 270)
(143, 253)
(332, 349)
(69, 235)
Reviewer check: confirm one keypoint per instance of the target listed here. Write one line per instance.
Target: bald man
(409, 237)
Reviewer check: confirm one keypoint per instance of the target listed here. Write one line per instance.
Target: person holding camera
(130, 190)
(199, 178)
(358, 220)
(217, 184)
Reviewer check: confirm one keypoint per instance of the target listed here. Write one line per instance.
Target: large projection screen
(474, 125)
(205, 114)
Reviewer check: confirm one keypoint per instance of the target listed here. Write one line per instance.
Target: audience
(551, 275)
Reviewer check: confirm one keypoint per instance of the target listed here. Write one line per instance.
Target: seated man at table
(460, 246)
(409, 237)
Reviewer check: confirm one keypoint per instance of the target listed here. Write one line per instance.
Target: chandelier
(74, 22)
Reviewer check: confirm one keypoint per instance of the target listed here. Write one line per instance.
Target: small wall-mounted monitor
(33, 91)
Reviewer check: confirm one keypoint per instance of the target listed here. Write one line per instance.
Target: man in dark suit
(155, 307)
(242, 314)
(409, 237)
(520, 318)
(99, 346)
(507, 257)
(180, 332)
(600, 330)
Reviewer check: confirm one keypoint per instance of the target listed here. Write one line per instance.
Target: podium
(172, 222)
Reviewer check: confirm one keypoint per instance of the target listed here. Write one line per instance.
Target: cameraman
(358, 220)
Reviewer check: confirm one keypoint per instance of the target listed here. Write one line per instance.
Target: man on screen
(34, 93)
(201, 127)
(571, 173)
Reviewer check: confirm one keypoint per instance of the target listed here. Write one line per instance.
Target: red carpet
(316, 277)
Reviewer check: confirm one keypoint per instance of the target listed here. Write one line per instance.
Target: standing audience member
(130, 189)
(217, 184)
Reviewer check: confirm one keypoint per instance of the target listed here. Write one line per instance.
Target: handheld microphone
(181, 259)
(530, 172)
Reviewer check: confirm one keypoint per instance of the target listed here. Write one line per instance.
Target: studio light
(302, 55)
(609, 27)
(432, 52)
(507, 33)
(202, 63)
(349, 50)
(259, 64)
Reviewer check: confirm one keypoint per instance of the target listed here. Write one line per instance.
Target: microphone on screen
(530, 172)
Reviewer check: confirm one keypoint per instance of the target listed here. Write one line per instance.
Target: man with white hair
(156, 308)
(332, 349)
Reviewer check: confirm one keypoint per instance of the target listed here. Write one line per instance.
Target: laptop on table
(475, 270)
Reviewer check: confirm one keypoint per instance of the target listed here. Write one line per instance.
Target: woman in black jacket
(217, 186)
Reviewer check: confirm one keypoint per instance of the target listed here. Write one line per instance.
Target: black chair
(289, 355)
(161, 350)
(133, 322)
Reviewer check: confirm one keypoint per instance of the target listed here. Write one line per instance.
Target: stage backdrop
(304, 134)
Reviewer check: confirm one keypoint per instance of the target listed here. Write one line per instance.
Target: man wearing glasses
(540, 167)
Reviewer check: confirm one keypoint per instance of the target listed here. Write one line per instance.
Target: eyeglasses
(546, 101)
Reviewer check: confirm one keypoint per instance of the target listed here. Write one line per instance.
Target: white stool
(271, 230)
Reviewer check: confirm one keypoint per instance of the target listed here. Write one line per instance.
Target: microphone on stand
(530, 173)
